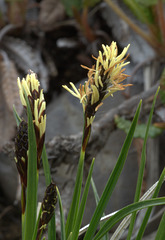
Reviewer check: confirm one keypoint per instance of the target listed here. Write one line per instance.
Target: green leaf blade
(113, 179)
(83, 203)
(17, 117)
(142, 12)
(148, 212)
(47, 173)
(61, 216)
(46, 166)
(141, 169)
(32, 178)
(73, 210)
(125, 212)
(161, 229)
(97, 199)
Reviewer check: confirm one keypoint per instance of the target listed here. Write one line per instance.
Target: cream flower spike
(31, 86)
(104, 79)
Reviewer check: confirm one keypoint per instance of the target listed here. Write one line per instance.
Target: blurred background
(54, 38)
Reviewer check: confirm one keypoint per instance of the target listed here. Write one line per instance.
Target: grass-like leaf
(36, 225)
(82, 205)
(46, 167)
(52, 228)
(160, 235)
(142, 12)
(141, 169)
(148, 212)
(32, 178)
(73, 211)
(112, 179)
(125, 222)
(17, 117)
(126, 211)
(62, 221)
(70, 236)
(97, 199)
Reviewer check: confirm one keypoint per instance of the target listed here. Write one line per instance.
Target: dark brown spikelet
(21, 151)
(48, 205)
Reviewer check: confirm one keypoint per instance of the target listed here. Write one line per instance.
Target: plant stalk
(138, 30)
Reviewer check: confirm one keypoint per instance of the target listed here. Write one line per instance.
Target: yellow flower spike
(36, 112)
(42, 109)
(95, 95)
(104, 79)
(31, 86)
(25, 87)
(123, 53)
(97, 63)
(98, 106)
(71, 91)
(109, 50)
(97, 79)
(101, 57)
(34, 82)
(21, 92)
(100, 81)
(42, 125)
(75, 89)
(105, 51)
(112, 50)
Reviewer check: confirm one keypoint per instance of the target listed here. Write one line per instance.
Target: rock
(8, 177)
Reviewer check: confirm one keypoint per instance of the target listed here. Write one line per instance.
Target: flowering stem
(23, 204)
(73, 211)
(76, 196)
(86, 136)
(104, 79)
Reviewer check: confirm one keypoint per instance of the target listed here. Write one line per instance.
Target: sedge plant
(104, 79)
(29, 146)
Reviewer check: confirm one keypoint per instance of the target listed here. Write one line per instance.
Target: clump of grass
(104, 79)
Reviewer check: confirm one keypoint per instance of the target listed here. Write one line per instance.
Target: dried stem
(152, 42)
(161, 19)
